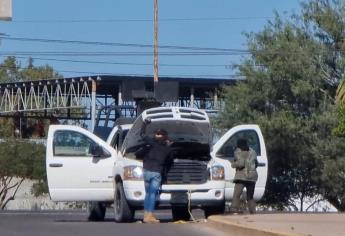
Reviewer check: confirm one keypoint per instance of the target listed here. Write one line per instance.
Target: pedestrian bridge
(79, 98)
(38, 96)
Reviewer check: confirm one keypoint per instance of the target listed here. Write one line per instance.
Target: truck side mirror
(99, 152)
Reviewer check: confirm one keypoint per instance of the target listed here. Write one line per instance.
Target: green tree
(19, 161)
(339, 130)
(327, 17)
(9, 70)
(12, 71)
(31, 72)
(289, 90)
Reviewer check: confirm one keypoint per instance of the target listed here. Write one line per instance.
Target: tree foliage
(339, 130)
(291, 79)
(19, 160)
(12, 71)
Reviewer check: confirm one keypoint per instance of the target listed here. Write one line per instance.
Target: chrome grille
(186, 172)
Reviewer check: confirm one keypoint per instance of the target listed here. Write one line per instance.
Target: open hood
(185, 125)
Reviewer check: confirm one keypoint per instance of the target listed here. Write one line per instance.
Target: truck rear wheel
(123, 212)
(96, 211)
(180, 213)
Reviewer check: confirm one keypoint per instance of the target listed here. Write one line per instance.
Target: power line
(194, 50)
(118, 53)
(116, 44)
(109, 54)
(197, 19)
(146, 75)
(143, 75)
(162, 53)
(122, 63)
(227, 66)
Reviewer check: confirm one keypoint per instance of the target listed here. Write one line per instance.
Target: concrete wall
(24, 200)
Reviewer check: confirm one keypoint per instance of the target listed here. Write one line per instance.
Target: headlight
(217, 172)
(133, 173)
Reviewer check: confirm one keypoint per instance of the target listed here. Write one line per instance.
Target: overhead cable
(121, 63)
(145, 75)
(143, 20)
(116, 44)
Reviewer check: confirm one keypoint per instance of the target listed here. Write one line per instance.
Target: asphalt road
(75, 223)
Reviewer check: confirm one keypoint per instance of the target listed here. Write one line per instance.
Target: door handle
(261, 164)
(55, 165)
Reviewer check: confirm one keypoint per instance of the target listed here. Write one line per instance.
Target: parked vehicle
(83, 167)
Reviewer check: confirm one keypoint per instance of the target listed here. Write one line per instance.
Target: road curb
(243, 230)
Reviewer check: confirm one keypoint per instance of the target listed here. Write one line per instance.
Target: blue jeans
(152, 182)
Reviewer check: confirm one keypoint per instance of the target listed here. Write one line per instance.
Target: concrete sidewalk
(317, 224)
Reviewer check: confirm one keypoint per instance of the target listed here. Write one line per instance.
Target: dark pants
(239, 186)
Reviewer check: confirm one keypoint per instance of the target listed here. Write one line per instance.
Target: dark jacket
(157, 155)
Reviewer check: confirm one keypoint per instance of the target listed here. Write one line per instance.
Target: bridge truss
(44, 96)
(81, 98)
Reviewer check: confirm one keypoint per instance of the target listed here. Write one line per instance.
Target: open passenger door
(225, 147)
(79, 165)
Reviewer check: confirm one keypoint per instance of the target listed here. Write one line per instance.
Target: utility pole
(5, 10)
(155, 44)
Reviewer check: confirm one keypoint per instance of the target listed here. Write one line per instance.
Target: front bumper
(198, 196)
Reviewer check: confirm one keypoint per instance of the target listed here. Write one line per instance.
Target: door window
(71, 143)
(227, 150)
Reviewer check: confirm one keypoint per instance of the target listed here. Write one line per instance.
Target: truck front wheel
(180, 213)
(96, 211)
(123, 212)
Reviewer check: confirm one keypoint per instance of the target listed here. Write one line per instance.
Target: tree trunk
(301, 204)
(4, 201)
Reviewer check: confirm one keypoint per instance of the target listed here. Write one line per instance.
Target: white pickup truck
(83, 167)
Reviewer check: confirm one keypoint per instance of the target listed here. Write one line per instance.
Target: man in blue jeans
(155, 160)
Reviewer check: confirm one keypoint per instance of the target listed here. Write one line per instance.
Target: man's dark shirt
(158, 155)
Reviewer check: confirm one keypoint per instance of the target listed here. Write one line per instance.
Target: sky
(88, 37)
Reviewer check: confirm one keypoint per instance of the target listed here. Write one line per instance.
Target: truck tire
(180, 213)
(215, 210)
(96, 211)
(123, 212)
